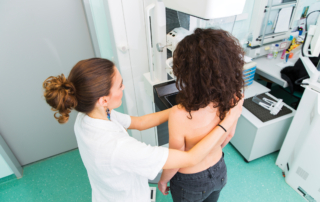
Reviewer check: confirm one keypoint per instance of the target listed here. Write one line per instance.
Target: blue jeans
(204, 186)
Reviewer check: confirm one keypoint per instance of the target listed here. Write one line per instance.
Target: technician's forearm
(180, 159)
(215, 138)
(202, 149)
(183, 159)
(167, 174)
(154, 119)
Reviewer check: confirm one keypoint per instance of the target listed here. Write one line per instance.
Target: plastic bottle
(270, 54)
(288, 40)
(283, 53)
(276, 51)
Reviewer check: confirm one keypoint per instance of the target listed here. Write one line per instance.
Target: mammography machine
(299, 154)
(164, 41)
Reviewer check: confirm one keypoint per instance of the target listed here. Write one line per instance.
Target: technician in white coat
(118, 165)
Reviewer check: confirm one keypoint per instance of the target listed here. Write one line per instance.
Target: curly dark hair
(208, 65)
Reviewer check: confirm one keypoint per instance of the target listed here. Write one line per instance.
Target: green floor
(64, 178)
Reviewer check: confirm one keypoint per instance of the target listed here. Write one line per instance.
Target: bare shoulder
(178, 114)
(177, 125)
(177, 111)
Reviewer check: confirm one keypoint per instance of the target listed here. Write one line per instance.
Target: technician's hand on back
(118, 165)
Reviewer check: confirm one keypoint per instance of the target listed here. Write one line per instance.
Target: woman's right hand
(236, 111)
(163, 187)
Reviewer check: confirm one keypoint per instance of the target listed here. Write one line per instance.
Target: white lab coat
(118, 165)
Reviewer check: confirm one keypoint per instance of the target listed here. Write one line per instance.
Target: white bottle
(270, 54)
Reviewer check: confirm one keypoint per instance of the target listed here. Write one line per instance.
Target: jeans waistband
(202, 174)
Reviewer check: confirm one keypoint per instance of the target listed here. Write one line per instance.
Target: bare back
(184, 133)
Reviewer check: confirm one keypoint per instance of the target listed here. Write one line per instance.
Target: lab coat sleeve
(136, 157)
(123, 119)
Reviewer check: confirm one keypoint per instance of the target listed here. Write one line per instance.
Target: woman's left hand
(163, 188)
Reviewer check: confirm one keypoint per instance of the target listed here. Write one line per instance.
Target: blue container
(249, 70)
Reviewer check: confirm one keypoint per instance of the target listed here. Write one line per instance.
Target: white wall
(101, 27)
(5, 170)
(103, 33)
(313, 5)
(38, 39)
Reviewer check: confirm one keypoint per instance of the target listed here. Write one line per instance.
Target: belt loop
(210, 172)
(222, 154)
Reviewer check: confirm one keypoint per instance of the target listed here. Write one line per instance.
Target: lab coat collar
(102, 124)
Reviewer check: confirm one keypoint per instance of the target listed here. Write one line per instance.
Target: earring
(108, 113)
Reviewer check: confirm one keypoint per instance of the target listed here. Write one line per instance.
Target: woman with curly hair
(208, 65)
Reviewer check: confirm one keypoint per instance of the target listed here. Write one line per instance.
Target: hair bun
(68, 86)
(60, 94)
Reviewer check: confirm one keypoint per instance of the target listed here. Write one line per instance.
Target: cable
(307, 30)
(308, 16)
(298, 80)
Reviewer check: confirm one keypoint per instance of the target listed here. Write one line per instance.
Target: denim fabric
(204, 186)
